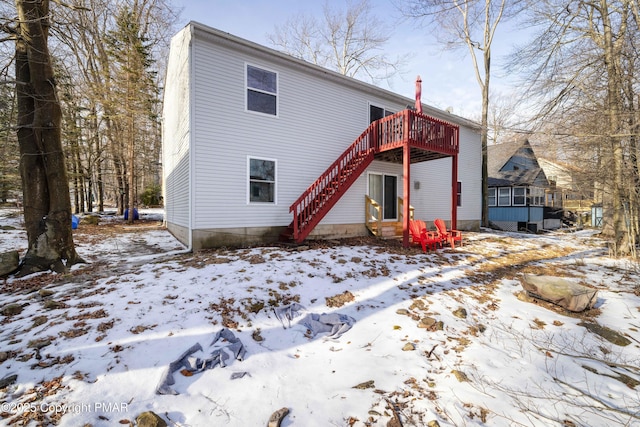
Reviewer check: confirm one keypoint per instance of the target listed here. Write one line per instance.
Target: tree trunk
(47, 204)
(611, 59)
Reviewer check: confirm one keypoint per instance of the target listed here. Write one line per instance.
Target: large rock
(9, 262)
(150, 419)
(560, 291)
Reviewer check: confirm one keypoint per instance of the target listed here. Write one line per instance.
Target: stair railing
(373, 215)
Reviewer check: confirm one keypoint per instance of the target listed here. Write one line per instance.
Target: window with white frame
(519, 196)
(459, 198)
(262, 180)
(262, 90)
(504, 196)
(376, 113)
(536, 196)
(491, 197)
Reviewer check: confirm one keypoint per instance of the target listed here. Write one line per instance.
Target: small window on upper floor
(262, 90)
(377, 113)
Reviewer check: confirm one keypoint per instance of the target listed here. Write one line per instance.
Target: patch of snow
(108, 337)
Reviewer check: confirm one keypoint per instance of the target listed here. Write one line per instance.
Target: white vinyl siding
(304, 143)
(177, 133)
(433, 198)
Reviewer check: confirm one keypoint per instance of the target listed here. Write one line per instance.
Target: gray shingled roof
(519, 152)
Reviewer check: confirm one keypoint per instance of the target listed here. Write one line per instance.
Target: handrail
(370, 203)
(401, 211)
(405, 127)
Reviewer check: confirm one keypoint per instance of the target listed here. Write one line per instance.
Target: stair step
(388, 231)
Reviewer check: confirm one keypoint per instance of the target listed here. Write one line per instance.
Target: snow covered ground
(437, 337)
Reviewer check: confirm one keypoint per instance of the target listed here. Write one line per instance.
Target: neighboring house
(570, 192)
(258, 145)
(517, 188)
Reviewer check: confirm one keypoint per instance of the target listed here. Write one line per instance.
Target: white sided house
(259, 146)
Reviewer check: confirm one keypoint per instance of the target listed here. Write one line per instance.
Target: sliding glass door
(384, 190)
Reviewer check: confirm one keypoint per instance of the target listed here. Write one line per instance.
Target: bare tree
(9, 159)
(348, 41)
(583, 63)
(471, 24)
(47, 206)
(502, 121)
(109, 123)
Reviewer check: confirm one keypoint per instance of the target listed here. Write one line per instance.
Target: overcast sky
(448, 77)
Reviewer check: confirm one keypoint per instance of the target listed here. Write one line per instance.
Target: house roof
(512, 163)
(257, 49)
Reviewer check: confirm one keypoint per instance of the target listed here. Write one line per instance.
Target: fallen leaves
(141, 328)
(340, 299)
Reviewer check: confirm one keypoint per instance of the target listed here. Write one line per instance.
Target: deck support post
(454, 192)
(406, 184)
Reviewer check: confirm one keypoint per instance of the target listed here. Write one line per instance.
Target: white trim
(385, 111)
(247, 88)
(537, 196)
(509, 195)
(275, 181)
(382, 174)
(495, 196)
(192, 146)
(513, 196)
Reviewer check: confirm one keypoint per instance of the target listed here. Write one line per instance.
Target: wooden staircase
(392, 132)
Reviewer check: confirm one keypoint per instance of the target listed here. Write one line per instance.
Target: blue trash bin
(135, 214)
(74, 222)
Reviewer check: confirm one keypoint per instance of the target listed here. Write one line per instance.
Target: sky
(442, 336)
(448, 77)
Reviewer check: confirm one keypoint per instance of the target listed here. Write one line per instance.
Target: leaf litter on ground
(445, 336)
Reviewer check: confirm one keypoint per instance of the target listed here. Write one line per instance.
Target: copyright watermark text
(64, 408)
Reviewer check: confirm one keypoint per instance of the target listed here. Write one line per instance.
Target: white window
(491, 197)
(537, 196)
(376, 113)
(519, 196)
(384, 190)
(262, 90)
(262, 180)
(504, 196)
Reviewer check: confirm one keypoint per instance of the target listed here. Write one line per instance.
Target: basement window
(262, 180)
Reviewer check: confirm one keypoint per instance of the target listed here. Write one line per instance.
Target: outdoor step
(388, 231)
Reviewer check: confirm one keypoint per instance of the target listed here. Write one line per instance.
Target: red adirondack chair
(420, 235)
(450, 236)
